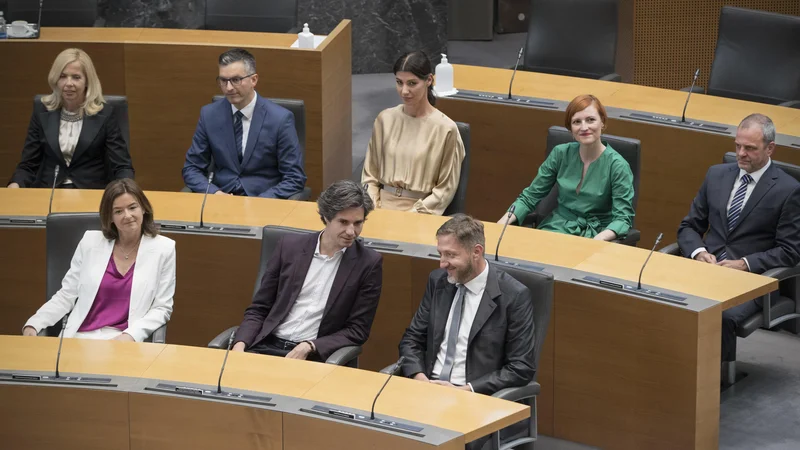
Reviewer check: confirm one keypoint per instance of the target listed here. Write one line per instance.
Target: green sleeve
(541, 185)
(621, 197)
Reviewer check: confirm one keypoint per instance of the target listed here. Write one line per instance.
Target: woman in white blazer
(121, 280)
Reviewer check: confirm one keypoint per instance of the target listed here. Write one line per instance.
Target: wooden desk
(133, 417)
(168, 75)
(508, 142)
(617, 370)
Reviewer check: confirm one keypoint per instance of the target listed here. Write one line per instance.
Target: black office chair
(266, 16)
(270, 235)
(459, 202)
(64, 233)
(541, 286)
(757, 57)
(298, 108)
(781, 307)
(55, 13)
(576, 38)
(630, 149)
(119, 103)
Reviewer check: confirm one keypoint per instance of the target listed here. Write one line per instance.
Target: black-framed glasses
(236, 81)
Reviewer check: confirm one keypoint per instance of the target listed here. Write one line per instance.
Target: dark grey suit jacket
(768, 230)
(350, 307)
(500, 345)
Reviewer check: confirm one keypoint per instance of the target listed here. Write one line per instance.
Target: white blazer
(151, 293)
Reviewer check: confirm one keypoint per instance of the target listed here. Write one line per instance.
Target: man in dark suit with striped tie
(749, 213)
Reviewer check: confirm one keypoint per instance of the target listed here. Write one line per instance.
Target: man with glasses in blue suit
(252, 142)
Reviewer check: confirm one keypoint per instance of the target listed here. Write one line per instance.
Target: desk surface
(572, 252)
(624, 96)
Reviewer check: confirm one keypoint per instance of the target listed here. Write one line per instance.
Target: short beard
(462, 274)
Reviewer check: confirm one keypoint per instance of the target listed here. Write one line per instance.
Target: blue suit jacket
(272, 166)
(768, 230)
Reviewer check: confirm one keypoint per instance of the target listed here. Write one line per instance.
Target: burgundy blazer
(351, 305)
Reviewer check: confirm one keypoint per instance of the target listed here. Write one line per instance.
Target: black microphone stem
(391, 374)
(658, 239)
(519, 56)
(61, 341)
(694, 80)
(205, 196)
(508, 219)
(225, 361)
(53, 190)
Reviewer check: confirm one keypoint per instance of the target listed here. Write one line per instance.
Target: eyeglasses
(236, 81)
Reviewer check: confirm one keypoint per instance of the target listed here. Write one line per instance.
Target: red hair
(580, 103)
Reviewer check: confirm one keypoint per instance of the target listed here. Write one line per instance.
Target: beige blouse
(417, 154)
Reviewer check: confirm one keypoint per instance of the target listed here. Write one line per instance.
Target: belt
(282, 344)
(400, 192)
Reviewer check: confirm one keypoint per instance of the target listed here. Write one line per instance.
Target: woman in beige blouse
(74, 131)
(414, 158)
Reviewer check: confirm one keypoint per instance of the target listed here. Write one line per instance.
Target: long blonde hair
(94, 101)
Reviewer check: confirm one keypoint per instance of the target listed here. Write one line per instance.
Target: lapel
(349, 259)
(726, 186)
(259, 114)
(762, 187)
(91, 126)
(302, 263)
(226, 129)
(443, 300)
(144, 260)
(487, 304)
(52, 121)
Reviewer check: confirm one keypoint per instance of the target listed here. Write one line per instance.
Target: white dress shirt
(246, 120)
(750, 188)
(303, 321)
(472, 299)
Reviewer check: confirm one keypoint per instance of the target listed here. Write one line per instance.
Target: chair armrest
(159, 336)
(696, 90)
(632, 238)
(672, 249)
(221, 341)
(388, 370)
(791, 104)
(611, 77)
(301, 196)
(344, 355)
(516, 394)
(783, 273)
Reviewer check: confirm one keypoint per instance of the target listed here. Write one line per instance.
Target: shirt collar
(247, 110)
(478, 283)
(758, 173)
(316, 250)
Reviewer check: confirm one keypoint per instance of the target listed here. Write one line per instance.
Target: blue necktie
(737, 204)
(237, 134)
(452, 336)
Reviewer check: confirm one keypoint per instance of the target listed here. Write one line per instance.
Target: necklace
(127, 255)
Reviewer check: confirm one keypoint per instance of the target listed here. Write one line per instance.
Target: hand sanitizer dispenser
(306, 38)
(444, 79)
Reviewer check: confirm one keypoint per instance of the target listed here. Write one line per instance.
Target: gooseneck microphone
(53, 190)
(225, 361)
(392, 370)
(519, 56)
(61, 340)
(508, 218)
(203, 208)
(658, 239)
(694, 80)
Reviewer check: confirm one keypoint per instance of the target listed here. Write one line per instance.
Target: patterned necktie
(237, 134)
(735, 210)
(452, 336)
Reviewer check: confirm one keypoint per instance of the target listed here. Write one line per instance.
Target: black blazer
(100, 156)
(768, 230)
(351, 305)
(501, 341)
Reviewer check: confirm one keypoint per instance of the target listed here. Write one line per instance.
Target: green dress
(605, 200)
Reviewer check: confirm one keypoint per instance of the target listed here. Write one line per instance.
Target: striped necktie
(737, 204)
(237, 134)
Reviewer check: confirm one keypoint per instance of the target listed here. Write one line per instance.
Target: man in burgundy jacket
(321, 290)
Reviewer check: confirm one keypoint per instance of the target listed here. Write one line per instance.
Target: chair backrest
(266, 16)
(64, 231)
(541, 286)
(270, 235)
(119, 103)
(55, 13)
(757, 56)
(572, 37)
(790, 169)
(628, 148)
(459, 202)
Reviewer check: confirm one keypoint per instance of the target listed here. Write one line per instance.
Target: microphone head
(512, 208)
(520, 52)
(401, 361)
(57, 170)
(658, 239)
(210, 177)
(231, 337)
(697, 72)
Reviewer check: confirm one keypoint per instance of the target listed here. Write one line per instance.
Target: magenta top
(113, 300)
